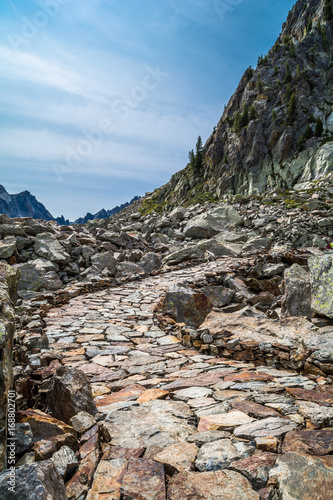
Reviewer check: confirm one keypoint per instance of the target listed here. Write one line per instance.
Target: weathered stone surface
(313, 396)
(151, 394)
(65, 461)
(105, 260)
(248, 377)
(82, 422)
(108, 479)
(313, 442)
(220, 485)
(322, 416)
(271, 426)
(256, 468)
(69, 394)
(202, 226)
(297, 475)
(192, 392)
(186, 305)
(268, 443)
(35, 277)
(150, 262)
(47, 246)
(132, 392)
(254, 409)
(200, 438)
(219, 295)
(297, 300)
(143, 479)
(224, 421)
(8, 283)
(321, 269)
(81, 481)
(177, 457)
(24, 438)
(43, 426)
(40, 480)
(220, 454)
(128, 269)
(7, 247)
(157, 423)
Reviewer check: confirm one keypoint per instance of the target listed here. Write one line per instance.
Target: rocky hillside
(22, 205)
(276, 130)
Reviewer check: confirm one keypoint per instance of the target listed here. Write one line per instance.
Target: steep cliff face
(277, 129)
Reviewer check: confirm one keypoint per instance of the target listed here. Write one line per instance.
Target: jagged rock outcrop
(276, 130)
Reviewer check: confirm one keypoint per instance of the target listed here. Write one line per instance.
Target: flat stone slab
(254, 409)
(220, 454)
(248, 377)
(220, 485)
(132, 392)
(297, 475)
(314, 396)
(144, 479)
(313, 442)
(256, 468)
(224, 421)
(192, 393)
(272, 426)
(177, 457)
(157, 423)
(151, 394)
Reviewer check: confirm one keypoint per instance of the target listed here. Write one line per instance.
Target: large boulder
(187, 305)
(125, 269)
(69, 394)
(177, 214)
(38, 275)
(47, 246)
(321, 269)
(150, 262)
(39, 480)
(227, 216)
(297, 300)
(7, 247)
(203, 226)
(8, 278)
(104, 260)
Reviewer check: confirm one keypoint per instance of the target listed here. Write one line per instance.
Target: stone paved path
(181, 425)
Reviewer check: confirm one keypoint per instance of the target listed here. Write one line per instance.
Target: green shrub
(291, 109)
(319, 128)
(288, 76)
(328, 11)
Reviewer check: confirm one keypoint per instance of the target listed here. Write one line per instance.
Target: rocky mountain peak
(276, 130)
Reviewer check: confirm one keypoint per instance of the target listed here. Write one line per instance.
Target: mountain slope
(22, 205)
(277, 127)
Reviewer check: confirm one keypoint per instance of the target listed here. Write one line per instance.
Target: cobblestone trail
(177, 424)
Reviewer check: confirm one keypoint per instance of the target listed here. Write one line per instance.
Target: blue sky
(101, 100)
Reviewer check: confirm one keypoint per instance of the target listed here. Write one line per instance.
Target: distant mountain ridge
(22, 205)
(104, 214)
